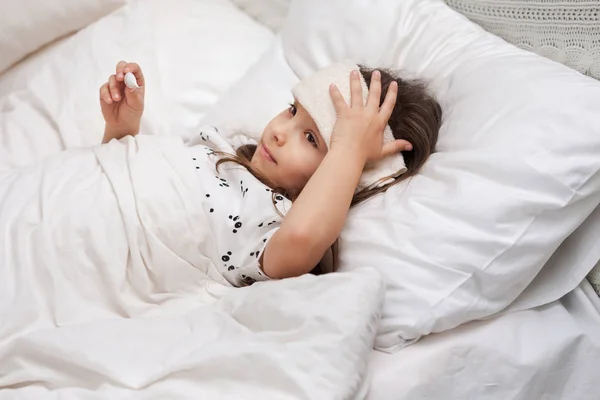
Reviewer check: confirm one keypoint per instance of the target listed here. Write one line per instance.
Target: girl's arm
(122, 107)
(318, 215)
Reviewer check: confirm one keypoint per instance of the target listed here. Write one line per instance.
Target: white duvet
(106, 286)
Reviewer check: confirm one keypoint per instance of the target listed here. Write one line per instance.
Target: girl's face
(290, 149)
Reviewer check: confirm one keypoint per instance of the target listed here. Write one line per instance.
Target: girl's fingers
(114, 88)
(389, 102)
(119, 70)
(374, 90)
(395, 147)
(105, 94)
(135, 69)
(356, 95)
(336, 97)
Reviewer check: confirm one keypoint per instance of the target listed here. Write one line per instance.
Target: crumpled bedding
(106, 286)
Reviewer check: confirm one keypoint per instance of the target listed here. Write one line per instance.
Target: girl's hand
(319, 213)
(359, 127)
(121, 106)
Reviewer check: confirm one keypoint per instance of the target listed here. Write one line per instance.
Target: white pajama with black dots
(240, 209)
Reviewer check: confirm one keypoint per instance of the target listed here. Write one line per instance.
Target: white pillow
(516, 169)
(50, 101)
(26, 25)
(269, 81)
(575, 257)
(271, 13)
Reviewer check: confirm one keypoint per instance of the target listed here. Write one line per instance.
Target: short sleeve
(243, 214)
(249, 270)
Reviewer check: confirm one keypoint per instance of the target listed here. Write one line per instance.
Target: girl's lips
(264, 151)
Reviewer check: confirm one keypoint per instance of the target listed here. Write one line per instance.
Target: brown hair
(416, 118)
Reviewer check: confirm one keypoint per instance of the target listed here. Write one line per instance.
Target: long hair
(416, 117)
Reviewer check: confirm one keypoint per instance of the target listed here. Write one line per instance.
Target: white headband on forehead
(313, 93)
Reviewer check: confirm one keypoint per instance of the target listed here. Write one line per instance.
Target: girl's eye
(311, 138)
(292, 109)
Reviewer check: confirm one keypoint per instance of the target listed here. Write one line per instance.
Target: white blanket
(106, 286)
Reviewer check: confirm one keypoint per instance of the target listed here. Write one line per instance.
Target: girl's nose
(280, 134)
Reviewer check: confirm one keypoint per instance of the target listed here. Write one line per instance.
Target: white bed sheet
(550, 352)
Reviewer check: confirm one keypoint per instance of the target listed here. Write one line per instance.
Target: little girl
(338, 144)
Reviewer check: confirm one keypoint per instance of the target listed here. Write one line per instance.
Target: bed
(542, 343)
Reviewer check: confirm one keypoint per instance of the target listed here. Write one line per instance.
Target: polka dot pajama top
(242, 211)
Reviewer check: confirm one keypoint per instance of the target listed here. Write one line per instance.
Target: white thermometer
(130, 81)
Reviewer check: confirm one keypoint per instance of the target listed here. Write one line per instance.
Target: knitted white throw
(594, 278)
(567, 31)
